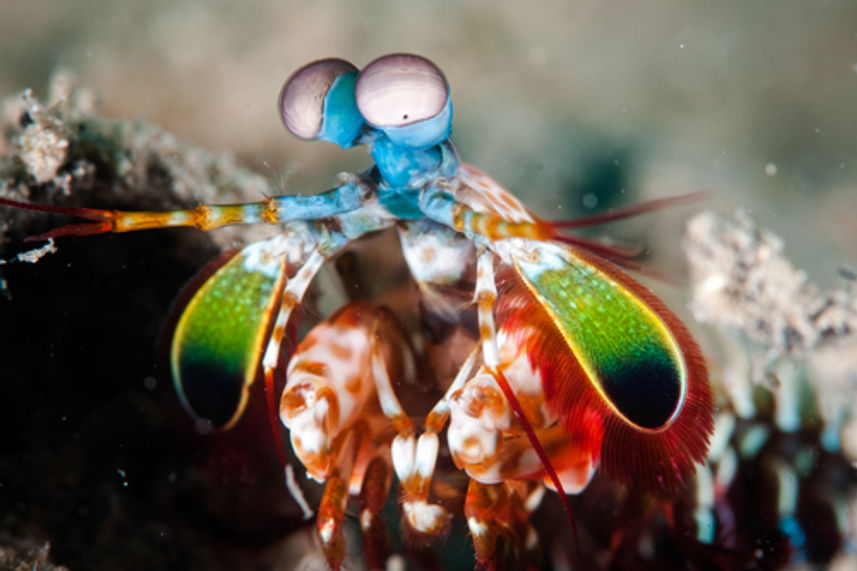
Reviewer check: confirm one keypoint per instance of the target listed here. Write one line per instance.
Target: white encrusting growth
(34, 255)
(743, 284)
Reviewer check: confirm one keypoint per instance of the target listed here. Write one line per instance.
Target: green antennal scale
(218, 340)
(616, 349)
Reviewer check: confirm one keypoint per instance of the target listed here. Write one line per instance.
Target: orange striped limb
(480, 218)
(495, 227)
(377, 545)
(331, 511)
(487, 441)
(498, 520)
(338, 377)
(485, 296)
(414, 460)
(342, 414)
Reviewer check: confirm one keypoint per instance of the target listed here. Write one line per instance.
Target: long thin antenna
(633, 210)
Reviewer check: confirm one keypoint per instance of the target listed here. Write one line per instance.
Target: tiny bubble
(770, 169)
(590, 200)
(63, 418)
(150, 383)
(818, 129)
(681, 46)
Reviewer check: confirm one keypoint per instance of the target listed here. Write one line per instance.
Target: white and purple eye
(317, 102)
(407, 97)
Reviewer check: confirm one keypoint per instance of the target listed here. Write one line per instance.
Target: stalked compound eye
(317, 102)
(406, 96)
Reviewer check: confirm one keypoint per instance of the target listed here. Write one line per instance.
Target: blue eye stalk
(407, 98)
(400, 97)
(423, 134)
(342, 124)
(317, 102)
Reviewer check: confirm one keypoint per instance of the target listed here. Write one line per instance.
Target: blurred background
(570, 104)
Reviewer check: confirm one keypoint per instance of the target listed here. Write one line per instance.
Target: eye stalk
(317, 102)
(407, 97)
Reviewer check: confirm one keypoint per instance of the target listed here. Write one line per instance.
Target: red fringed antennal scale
(658, 458)
(664, 460)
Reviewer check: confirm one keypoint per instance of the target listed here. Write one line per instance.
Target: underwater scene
(371, 285)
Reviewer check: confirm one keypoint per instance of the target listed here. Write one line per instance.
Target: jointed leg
(339, 383)
(442, 207)
(292, 295)
(486, 294)
(501, 512)
(331, 511)
(414, 460)
(377, 545)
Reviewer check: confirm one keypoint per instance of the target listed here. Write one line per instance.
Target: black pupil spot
(646, 391)
(405, 116)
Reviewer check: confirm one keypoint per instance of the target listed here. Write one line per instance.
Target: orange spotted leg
(342, 415)
(414, 460)
(485, 296)
(498, 513)
(377, 545)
